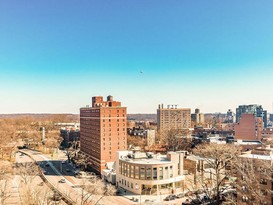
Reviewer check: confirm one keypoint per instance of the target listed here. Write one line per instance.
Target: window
(171, 171)
(148, 174)
(160, 172)
(136, 172)
(142, 173)
(263, 181)
(244, 198)
(125, 170)
(166, 172)
(132, 171)
(122, 168)
(264, 192)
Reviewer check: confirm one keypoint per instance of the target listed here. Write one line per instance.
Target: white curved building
(146, 173)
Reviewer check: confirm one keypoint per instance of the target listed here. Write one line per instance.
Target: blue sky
(56, 55)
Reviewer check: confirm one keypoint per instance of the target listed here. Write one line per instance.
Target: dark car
(192, 202)
(170, 197)
(196, 202)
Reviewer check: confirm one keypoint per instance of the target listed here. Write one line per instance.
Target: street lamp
(138, 188)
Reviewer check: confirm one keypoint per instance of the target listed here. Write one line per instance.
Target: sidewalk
(149, 199)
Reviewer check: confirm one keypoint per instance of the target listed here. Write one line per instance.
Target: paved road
(37, 185)
(54, 171)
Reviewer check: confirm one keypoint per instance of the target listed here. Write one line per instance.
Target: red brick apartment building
(249, 127)
(254, 179)
(103, 131)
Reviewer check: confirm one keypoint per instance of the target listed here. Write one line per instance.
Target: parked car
(47, 164)
(180, 195)
(189, 193)
(68, 170)
(56, 196)
(170, 197)
(187, 202)
(62, 181)
(196, 202)
(230, 193)
(41, 184)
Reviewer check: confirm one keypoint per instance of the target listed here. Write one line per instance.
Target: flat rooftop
(257, 156)
(162, 159)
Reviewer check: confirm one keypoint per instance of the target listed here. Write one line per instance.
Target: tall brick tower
(103, 131)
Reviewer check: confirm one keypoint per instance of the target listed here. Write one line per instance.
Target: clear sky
(56, 54)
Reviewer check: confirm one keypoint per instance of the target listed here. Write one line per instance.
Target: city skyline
(54, 56)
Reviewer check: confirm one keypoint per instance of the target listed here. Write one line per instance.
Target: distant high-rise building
(173, 118)
(257, 110)
(271, 117)
(249, 127)
(103, 131)
(197, 117)
(230, 116)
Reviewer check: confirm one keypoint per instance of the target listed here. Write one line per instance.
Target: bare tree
(28, 171)
(136, 141)
(216, 167)
(4, 194)
(5, 171)
(175, 139)
(94, 190)
(34, 194)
